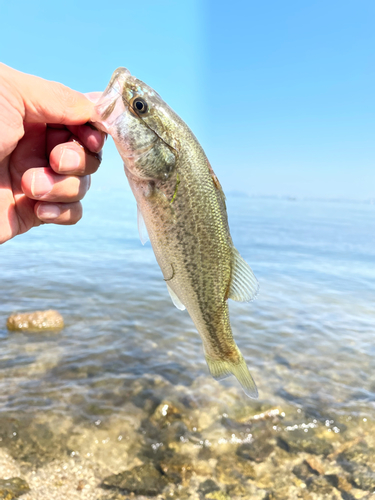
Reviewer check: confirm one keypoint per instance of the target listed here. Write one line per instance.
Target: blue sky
(280, 94)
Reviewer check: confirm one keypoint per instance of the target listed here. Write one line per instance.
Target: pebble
(141, 480)
(12, 488)
(35, 321)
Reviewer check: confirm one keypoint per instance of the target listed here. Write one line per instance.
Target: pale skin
(47, 152)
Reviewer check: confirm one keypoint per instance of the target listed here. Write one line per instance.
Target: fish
(182, 210)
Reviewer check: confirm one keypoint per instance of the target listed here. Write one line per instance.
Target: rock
(217, 495)
(207, 487)
(81, 484)
(166, 413)
(364, 479)
(315, 465)
(360, 454)
(177, 468)
(307, 468)
(12, 488)
(257, 451)
(237, 490)
(359, 461)
(295, 443)
(141, 480)
(113, 496)
(339, 481)
(30, 442)
(35, 321)
(319, 485)
(303, 471)
(231, 470)
(146, 399)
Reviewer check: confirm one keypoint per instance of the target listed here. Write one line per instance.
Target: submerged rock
(217, 495)
(35, 321)
(339, 481)
(359, 462)
(12, 488)
(320, 485)
(141, 480)
(233, 470)
(294, 444)
(30, 442)
(207, 487)
(257, 451)
(177, 468)
(360, 454)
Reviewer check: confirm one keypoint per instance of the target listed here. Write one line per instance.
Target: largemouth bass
(182, 205)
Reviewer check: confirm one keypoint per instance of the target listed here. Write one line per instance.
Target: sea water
(308, 338)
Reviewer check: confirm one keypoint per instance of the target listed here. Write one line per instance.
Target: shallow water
(308, 338)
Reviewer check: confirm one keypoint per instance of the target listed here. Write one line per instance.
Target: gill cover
(135, 116)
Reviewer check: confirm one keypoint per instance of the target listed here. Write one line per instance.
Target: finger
(93, 96)
(58, 213)
(45, 185)
(55, 137)
(73, 159)
(49, 102)
(90, 137)
(30, 153)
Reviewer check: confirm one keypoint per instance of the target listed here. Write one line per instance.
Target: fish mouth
(110, 104)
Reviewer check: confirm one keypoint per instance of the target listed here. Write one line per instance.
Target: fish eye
(140, 105)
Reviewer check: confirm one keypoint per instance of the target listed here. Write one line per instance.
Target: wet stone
(177, 468)
(277, 495)
(113, 496)
(364, 479)
(147, 400)
(313, 445)
(315, 465)
(35, 321)
(339, 481)
(166, 413)
(31, 443)
(319, 485)
(303, 471)
(257, 451)
(232, 469)
(207, 487)
(141, 480)
(237, 490)
(217, 495)
(360, 454)
(12, 488)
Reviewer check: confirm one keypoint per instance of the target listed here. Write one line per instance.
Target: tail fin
(220, 369)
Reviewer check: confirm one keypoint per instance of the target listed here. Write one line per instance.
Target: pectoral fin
(244, 286)
(143, 235)
(176, 301)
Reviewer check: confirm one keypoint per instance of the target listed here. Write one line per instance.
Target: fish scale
(183, 208)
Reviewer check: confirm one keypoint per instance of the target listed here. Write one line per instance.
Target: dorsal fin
(176, 301)
(244, 286)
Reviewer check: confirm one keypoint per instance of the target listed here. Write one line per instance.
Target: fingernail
(48, 212)
(69, 160)
(41, 183)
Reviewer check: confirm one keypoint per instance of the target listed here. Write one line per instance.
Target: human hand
(47, 152)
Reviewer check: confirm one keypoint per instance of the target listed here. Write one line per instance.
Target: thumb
(50, 102)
